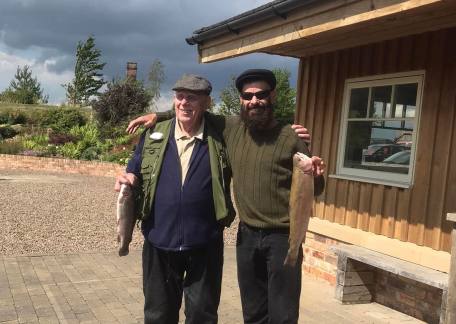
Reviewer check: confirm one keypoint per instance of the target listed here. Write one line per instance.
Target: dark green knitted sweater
(262, 167)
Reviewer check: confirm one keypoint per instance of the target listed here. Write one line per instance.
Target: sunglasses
(259, 95)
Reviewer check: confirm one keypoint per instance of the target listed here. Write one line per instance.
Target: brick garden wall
(13, 162)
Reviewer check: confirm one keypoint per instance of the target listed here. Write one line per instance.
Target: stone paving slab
(104, 288)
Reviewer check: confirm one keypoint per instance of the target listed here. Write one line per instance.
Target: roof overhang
(301, 28)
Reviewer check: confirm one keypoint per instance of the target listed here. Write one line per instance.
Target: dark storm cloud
(135, 30)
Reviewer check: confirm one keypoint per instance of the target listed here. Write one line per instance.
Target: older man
(183, 177)
(260, 151)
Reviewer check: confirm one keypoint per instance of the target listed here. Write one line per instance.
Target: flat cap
(192, 82)
(256, 75)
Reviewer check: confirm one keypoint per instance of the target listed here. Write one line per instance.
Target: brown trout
(125, 218)
(300, 206)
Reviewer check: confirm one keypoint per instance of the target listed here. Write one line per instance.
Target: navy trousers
(196, 273)
(269, 290)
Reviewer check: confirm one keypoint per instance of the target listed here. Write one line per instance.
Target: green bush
(61, 120)
(60, 138)
(36, 142)
(8, 95)
(111, 131)
(121, 157)
(11, 146)
(12, 117)
(121, 101)
(7, 131)
(88, 133)
(90, 153)
(70, 150)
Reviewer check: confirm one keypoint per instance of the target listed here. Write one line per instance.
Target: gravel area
(53, 213)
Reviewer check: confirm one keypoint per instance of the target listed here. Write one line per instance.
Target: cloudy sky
(44, 34)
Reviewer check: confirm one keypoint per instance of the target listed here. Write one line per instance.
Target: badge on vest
(156, 136)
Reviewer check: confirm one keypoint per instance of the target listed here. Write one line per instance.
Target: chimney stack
(131, 70)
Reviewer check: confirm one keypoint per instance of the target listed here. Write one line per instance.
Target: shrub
(111, 131)
(36, 142)
(121, 101)
(61, 138)
(7, 132)
(90, 153)
(125, 139)
(4, 118)
(70, 150)
(88, 133)
(61, 120)
(13, 146)
(121, 157)
(17, 117)
(8, 96)
(12, 117)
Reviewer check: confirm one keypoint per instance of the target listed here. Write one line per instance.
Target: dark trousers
(269, 290)
(167, 274)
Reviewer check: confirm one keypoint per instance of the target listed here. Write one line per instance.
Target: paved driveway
(104, 288)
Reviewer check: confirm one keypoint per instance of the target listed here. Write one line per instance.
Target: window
(378, 131)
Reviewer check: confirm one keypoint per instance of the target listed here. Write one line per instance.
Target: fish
(300, 205)
(125, 218)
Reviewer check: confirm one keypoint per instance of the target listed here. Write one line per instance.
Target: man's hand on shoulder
(147, 121)
(302, 132)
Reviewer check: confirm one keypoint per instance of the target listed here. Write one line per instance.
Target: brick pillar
(131, 70)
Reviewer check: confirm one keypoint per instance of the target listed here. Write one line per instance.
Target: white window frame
(371, 176)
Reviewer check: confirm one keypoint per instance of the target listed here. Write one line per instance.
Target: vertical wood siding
(417, 214)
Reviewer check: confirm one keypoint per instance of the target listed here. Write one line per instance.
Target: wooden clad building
(377, 90)
(368, 45)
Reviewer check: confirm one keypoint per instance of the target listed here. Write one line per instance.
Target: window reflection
(381, 102)
(382, 141)
(358, 103)
(405, 97)
(376, 148)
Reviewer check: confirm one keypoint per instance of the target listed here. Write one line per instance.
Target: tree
(286, 96)
(24, 88)
(87, 74)
(155, 79)
(229, 96)
(120, 102)
(285, 100)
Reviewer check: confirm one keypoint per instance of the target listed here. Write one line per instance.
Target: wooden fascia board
(417, 24)
(264, 38)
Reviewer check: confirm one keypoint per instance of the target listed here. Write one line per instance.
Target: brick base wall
(318, 260)
(407, 296)
(404, 295)
(13, 162)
